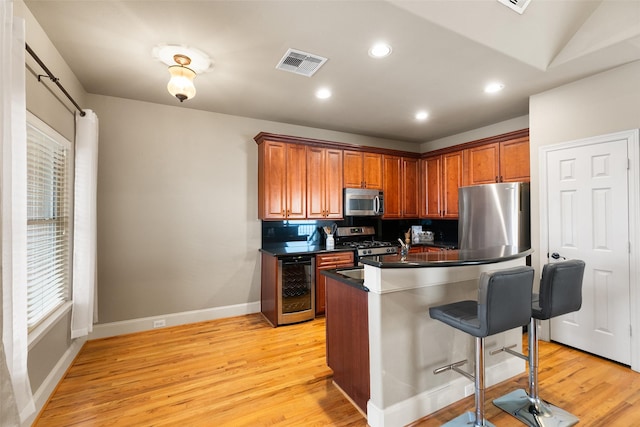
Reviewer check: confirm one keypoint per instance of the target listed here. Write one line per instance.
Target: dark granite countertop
(450, 258)
(301, 249)
(351, 280)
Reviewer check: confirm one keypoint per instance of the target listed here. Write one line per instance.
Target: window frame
(42, 326)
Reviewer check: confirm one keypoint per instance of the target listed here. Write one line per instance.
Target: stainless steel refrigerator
(493, 215)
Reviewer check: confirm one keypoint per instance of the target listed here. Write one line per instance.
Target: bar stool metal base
(518, 404)
(467, 419)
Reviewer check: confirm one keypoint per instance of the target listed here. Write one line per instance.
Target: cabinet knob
(497, 179)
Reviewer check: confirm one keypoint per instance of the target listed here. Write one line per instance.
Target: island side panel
(268, 288)
(346, 316)
(406, 345)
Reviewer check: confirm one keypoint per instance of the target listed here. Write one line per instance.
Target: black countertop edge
(451, 258)
(282, 250)
(356, 283)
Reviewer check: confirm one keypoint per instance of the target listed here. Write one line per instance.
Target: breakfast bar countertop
(448, 258)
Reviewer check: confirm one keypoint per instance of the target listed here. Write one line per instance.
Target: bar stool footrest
(518, 404)
(466, 420)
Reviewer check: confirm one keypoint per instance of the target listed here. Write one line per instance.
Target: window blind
(48, 223)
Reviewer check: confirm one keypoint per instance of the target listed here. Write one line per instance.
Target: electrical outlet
(159, 323)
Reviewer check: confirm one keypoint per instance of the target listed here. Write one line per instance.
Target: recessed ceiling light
(380, 50)
(323, 93)
(493, 87)
(422, 115)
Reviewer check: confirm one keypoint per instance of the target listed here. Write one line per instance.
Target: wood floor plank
(242, 372)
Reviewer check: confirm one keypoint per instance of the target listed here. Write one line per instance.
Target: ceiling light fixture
(493, 87)
(323, 93)
(422, 115)
(380, 50)
(181, 83)
(184, 64)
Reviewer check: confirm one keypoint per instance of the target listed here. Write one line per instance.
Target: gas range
(361, 239)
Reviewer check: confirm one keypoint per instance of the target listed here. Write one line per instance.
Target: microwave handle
(376, 205)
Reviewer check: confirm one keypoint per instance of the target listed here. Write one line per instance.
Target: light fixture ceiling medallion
(184, 64)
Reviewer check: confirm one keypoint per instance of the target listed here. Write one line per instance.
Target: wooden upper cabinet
(451, 180)
(430, 187)
(372, 171)
(296, 181)
(272, 183)
(392, 186)
(400, 186)
(353, 167)
(482, 164)
(441, 177)
(506, 161)
(410, 187)
(282, 181)
(300, 178)
(362, 170)
(514, 160)
(324, 183)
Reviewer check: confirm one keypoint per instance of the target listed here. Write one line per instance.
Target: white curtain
(17, 400)
(85, 311)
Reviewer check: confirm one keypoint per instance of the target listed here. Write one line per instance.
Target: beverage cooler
(296, 288)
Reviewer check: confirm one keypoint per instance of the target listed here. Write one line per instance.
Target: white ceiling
(444, 52)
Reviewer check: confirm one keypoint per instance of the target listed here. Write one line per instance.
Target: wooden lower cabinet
(417, 249)
(329, 261)
(347, 323)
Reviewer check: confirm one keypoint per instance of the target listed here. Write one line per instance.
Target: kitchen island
(403, 344)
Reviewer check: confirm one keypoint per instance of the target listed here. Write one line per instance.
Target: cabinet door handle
(497, 179)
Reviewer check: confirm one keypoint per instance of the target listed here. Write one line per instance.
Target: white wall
(604, 103)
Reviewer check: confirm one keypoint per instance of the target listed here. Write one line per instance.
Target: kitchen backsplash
(310, 231)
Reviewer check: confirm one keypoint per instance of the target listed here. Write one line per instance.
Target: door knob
(556, 255)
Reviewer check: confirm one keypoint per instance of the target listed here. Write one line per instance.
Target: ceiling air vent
(517, 5)
(299, 62)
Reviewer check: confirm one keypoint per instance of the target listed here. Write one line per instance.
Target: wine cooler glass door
(296, 289)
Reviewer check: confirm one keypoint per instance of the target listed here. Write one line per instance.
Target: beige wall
(597, 105)
(506, 126)
(177, 207)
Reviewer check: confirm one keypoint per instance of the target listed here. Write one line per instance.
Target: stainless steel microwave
(363, 202)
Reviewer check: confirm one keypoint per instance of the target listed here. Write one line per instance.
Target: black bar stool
(504, 302)
(560, 293)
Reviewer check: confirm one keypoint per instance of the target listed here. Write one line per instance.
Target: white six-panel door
(588, 219)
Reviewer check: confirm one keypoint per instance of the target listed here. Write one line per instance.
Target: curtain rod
(52, 78)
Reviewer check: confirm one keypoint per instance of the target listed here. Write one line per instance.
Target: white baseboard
(105, 330)
(430, 401)
(46, 389)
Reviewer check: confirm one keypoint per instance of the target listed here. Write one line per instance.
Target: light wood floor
(242, 372)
